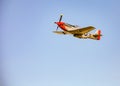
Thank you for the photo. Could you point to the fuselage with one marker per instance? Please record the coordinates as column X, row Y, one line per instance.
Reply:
column 66, row 26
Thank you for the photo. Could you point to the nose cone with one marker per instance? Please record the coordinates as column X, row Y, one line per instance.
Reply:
column 59, row 23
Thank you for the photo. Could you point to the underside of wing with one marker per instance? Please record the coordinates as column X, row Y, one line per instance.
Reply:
column 82, row 30
column 61, row 32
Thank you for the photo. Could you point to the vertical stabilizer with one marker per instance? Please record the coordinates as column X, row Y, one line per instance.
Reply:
column 98, row 32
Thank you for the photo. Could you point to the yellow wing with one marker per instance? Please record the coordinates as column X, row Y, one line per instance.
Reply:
column 82, row 30
column 61, row 32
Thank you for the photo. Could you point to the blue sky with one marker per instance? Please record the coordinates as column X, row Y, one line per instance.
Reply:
column 32, row 55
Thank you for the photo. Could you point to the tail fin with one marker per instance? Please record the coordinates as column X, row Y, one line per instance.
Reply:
column 98, row 32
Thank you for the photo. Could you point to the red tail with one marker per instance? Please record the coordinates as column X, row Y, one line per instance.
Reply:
column 99, row 34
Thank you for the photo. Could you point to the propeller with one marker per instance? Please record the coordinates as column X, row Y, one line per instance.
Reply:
column 57, row 28
column 59, row 20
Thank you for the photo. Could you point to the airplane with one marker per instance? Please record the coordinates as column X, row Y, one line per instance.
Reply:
column 76, row 31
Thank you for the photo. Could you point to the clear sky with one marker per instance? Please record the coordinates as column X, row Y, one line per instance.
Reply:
column 32, row 55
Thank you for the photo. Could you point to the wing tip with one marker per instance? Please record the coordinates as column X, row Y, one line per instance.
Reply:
column 92, row 27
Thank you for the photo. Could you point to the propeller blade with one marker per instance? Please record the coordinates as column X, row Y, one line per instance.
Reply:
column 60, row 18
column 59, row 21
column 57, row 28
